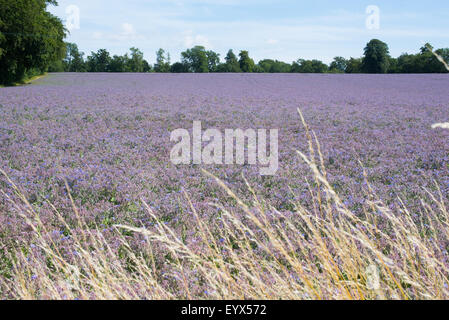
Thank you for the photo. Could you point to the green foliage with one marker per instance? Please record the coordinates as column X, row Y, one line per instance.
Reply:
column 376, row 58
column 99, row 61
column 274, row 66
column 423, row 62
column 119, row 64
column 162, row 61
column 213, row 60
column 354, row 65
column 196, row 59
column 31, row 39
column 74, row 61
column 179, row 67
column 309, row 66
column 231, row 63
column 246, row 63
column 338, row 65
column 199, row 60
column 136, row 62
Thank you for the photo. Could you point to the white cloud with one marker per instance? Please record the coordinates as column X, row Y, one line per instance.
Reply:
column 128, row 30
column 191, row 40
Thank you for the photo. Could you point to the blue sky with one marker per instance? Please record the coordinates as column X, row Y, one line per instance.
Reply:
column 285, row 29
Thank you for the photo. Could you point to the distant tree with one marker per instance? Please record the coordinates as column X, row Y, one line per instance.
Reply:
column 119, row 64
column 162, row 61
column 274, row 66
column 99, row 61
column 338, row 65
column 426, row 48
column 146, row 66
column 266, row 65
column 376, row 58
column 354, row 65
column 443, row 53
column 74, row 61
column 31, row 39
column 135, row 63
column 258, row 69
column 196, row 59
column 393, row 66
column 179, row 67
column 246, row 63
column 213, row 60
column 231, row 63
column 309, row 66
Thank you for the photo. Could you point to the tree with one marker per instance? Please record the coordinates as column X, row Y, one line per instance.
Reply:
column 213, row 60
column 246, row 63
column 231, row 63
column 426, row 48
column 354, row 65
column 393, row 66
column 31, row 39
column 376, row 58
column 136, row 62
column 338, row 65
column 196, row 59
column 162, row 61
column 422, row 62
column 146, row 66
column 119, row 64
column 274, row 66
column 99, row 61
column 2, row 37
column 179, row 67
column 309, row 66
column 74, row 61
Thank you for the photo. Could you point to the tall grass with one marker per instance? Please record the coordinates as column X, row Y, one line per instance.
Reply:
column 323, row 251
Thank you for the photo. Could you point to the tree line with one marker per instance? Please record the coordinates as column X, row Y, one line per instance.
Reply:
column 32, row 42
column 31, row 39
column 376, row 59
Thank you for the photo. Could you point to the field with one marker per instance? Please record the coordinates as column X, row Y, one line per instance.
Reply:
column 92, row 206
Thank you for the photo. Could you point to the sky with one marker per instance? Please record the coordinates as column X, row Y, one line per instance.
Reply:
column 285, row 30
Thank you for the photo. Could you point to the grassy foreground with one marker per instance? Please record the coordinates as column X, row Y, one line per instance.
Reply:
column 323, row 251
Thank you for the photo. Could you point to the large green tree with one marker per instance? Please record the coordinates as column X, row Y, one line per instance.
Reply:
column 119, row 64
column 213, row 60
column 136, row 62
column 196, row 59
column 99, row 61
column 246, row 63
column 74, row 59
column 30, row 38
column 231, row 63
column 162, row 61
column 338, row 65
column 376, row 58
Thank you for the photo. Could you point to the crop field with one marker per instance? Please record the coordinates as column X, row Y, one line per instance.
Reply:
column 92, row 207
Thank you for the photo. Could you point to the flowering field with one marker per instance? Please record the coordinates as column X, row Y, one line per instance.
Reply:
column 105, row 138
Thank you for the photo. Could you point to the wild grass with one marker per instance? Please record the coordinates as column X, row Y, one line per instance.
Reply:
column 254, row 251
